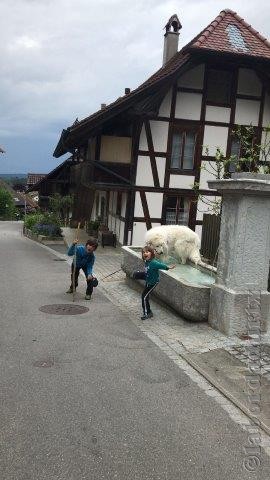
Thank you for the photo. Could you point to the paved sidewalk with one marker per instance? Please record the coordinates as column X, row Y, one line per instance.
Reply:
column 226, row 362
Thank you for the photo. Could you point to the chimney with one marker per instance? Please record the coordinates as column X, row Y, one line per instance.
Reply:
column 102, row 106
column 171, row 38
column 127, row 91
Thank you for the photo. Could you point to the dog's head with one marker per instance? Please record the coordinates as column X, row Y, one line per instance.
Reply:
column 159, row 244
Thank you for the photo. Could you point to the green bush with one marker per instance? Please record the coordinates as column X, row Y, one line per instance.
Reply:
column 43, row 224
column 7, row 206
column 92, row 225
column 32, row 219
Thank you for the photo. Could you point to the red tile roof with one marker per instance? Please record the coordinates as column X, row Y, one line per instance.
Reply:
column 33, row 178
column 229, row 33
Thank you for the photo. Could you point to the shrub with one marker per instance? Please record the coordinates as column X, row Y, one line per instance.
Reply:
column 32, row 219
column 43, row 224
column 47, row 229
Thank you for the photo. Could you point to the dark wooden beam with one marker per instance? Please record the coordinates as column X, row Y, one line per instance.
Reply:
column 145, row 210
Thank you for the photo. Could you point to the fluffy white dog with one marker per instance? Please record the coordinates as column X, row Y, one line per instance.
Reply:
column 176, row 240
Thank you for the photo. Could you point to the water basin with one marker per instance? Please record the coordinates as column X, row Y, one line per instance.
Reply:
column 186, row 288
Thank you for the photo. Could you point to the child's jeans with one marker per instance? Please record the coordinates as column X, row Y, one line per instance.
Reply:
column 145, row 298
column 89, row 289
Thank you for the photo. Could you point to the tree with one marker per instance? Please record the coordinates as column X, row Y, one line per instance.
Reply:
column 61, row 206
column 7, row 205
column 250, row 156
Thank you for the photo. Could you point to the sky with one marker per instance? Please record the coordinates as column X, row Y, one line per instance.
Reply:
column 60, row 59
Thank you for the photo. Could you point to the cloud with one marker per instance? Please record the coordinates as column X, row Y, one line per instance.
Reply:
column 60, row 59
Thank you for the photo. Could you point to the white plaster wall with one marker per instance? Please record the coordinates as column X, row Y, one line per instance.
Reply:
column 161, row 165
column 193, row 78
column 110, row 222
column 138, row 210
column 121, row 233
column 159, row 132
column 215, row 137
column 124, row 204
column 203, row 208
column 265, row 142
column 116, row 226
column 139, row 231
column 93, row 213
column 188, row 106
column 144, row 175
column 266, row 111
column 181, row 181
column 248, row 82
column 217, row 114
column 205, row 175
column 119, row 230
column 143, row 145
column 247, row 112
column 154, row 202
column 198, row 230
column 165, row 107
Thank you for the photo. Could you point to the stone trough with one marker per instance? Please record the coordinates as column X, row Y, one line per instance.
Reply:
column 186, row 288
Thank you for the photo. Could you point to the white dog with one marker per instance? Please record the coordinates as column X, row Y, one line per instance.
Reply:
column 174, row 239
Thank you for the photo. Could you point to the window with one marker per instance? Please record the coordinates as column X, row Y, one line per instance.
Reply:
column 177, row 210
column 243, row 146
column 183, row 150
column 219, row 87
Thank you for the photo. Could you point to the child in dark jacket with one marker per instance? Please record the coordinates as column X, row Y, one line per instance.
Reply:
column 85, row 260
column 151, row 267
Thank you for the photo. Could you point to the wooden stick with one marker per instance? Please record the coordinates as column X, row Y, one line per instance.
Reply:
column 74, row 262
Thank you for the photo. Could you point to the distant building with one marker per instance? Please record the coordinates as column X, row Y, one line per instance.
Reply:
column 33, row 178
column 57, row 181
column 22, row 201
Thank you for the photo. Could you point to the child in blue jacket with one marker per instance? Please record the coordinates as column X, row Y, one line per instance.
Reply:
column 151, row 268
column 85, row 260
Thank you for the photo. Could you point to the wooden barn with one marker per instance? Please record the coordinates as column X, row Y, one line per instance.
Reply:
column 137, row 159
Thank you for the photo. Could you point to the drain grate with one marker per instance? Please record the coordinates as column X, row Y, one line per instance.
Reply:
column 63, row 309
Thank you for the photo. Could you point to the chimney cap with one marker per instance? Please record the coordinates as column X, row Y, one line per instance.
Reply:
column 173, row 23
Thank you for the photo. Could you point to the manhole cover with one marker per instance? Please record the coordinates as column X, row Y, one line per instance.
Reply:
column 64, row 309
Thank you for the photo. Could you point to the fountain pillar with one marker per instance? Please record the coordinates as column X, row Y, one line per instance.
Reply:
column 241, row 289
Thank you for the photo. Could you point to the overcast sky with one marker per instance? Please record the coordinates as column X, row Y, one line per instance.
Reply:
column 60, row 59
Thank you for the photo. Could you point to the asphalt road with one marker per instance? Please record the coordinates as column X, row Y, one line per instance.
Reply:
column 89, row 396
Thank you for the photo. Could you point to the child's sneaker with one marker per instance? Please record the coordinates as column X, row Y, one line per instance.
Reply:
column 147, row 315
column 87, row 297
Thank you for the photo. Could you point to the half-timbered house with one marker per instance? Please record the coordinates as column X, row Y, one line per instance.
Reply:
column 137, row 159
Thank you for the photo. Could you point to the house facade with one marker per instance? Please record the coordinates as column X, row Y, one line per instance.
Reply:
column 59, row 180
column 136, row 161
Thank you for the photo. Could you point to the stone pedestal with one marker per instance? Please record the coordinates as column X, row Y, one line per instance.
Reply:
column 240, row 299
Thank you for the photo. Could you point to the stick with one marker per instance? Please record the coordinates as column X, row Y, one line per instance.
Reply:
column 112, row 273
column 74, row 263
